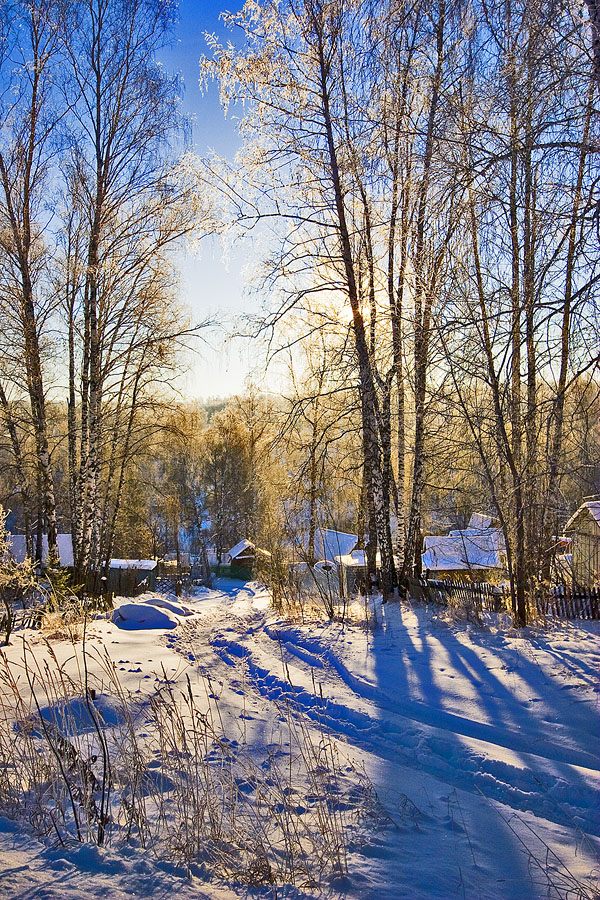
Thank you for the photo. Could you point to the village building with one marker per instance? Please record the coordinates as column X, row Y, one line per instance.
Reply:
column 584, row 530
column 125, row 576
column 330, row 544
column 243, row 558
column 18, row 548
column 128, row 576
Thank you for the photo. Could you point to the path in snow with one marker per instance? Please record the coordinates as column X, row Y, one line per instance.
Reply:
column 483, row 745
column 490, row 741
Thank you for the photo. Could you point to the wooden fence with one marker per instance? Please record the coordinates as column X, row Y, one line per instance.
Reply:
column 570, row 603
column 561, row 602
column 481, row 596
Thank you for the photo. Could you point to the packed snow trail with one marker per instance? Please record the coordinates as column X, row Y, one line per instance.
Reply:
column 527, row 786
column 514, row 763
column 472, row 738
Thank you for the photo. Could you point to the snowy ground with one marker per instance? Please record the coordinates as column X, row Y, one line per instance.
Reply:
column 481, row 743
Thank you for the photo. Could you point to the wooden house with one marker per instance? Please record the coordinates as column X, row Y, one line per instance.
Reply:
column 128, row 577
column 476, row 553
column 584, row 529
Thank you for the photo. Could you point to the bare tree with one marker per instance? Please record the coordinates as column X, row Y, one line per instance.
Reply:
column 124, row 209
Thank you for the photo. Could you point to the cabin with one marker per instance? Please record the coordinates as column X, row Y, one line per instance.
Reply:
column 243, row 554
column 243, row 558
column 125, row 576
column 584, row 530
column 131, row 576
column 353, row 572
column 18, row 548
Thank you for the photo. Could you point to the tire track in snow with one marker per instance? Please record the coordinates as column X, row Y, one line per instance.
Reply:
column 430, row 749
column 307, row 649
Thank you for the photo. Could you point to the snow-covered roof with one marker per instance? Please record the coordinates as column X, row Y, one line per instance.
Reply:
column 329, row 543
column 479, row 520
column 18, row 548
column 591, row 506
column 133, row 564
column 240, row 548
column 356, row 558
column 467, row 549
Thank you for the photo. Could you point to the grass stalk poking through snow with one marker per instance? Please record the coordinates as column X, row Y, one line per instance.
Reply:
column 83, row 760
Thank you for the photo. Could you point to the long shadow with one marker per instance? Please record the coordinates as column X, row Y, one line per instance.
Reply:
column 579, row 730
column 494, row 698
column 426, row 659
column 437, row 786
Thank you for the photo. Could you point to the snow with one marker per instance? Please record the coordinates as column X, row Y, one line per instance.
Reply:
column 240, row 547
column 479, row 521
column 148, row 612
column 145, row 564
column 481, row 743
column 330, row 543
column 30, row 869
column 356, row 558
column 593, row 506
column 466, row 549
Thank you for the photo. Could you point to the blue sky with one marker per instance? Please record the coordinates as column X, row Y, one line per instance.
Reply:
column 208, row 285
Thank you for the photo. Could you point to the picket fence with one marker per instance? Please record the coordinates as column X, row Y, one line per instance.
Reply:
column 570, row 603
column 561, row 601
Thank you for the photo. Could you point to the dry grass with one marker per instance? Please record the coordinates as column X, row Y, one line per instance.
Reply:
column 83, row 760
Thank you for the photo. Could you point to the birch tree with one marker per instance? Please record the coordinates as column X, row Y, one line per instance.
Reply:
column 529, row 201
column 300, row 72
column 29, row 49
column 124, row 211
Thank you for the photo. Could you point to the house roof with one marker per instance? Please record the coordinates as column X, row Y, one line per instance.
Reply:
column 240, row 548
column 330, row 543
column 356, row 558
column 467, row 549
column 590, row 506
column 479, row 520
column 18, row 548
column 148, row 564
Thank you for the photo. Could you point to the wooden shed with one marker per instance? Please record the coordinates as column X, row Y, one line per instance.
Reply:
column 243, row 559
column 128, row 577
column 584, row 529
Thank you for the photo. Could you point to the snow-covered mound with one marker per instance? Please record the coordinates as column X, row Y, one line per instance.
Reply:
column 31, row 869
column 149, row 611
column 141, row 616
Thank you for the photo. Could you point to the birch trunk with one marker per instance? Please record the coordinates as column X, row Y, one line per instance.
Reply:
column 422, row 315
column 366, row 379
column 19, row 469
